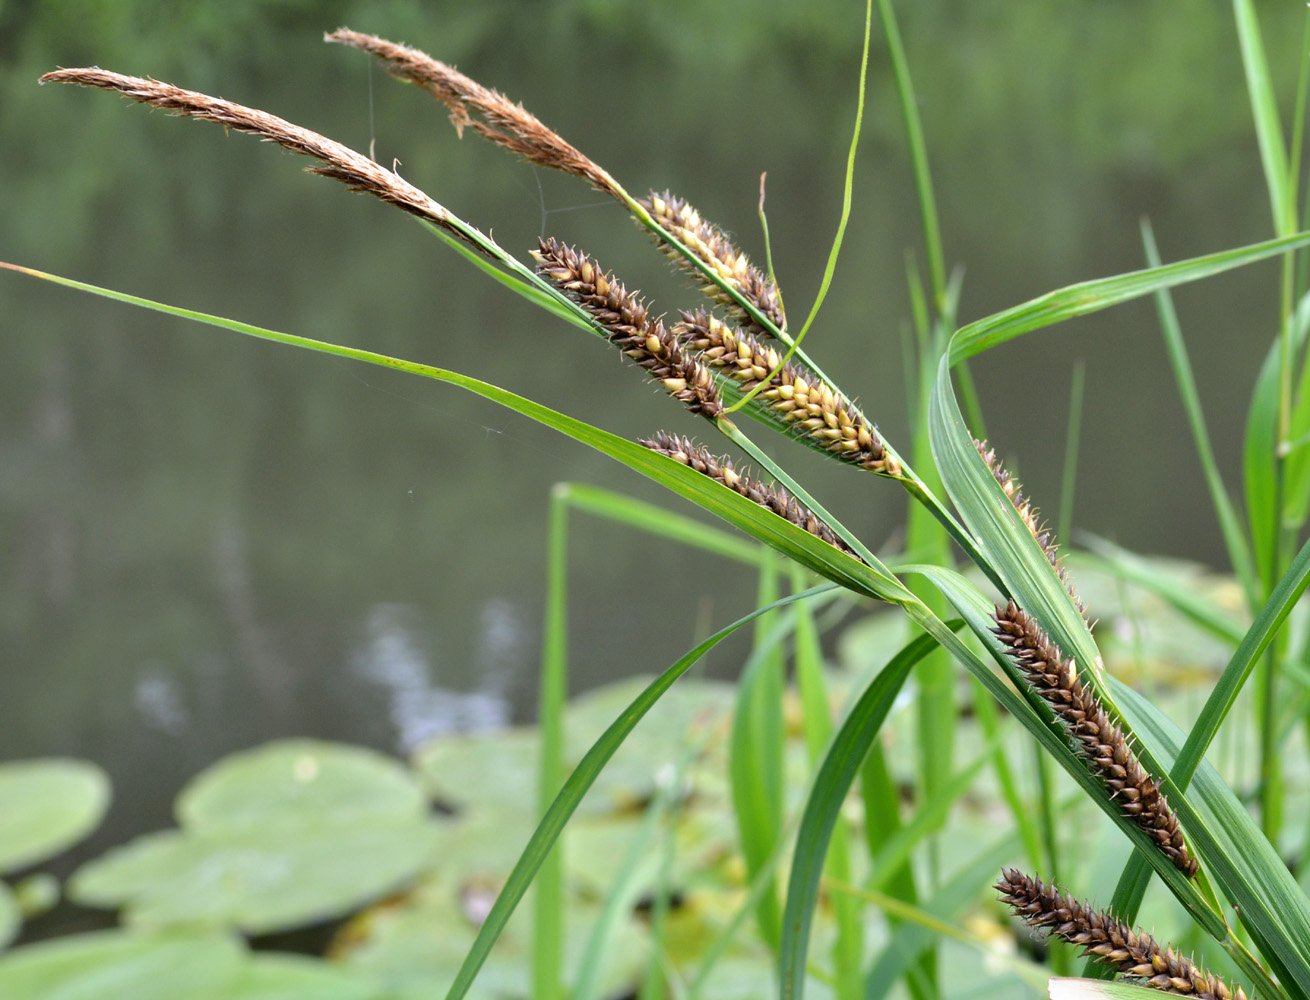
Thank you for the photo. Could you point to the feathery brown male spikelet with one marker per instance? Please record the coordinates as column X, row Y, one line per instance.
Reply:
column 501, row 120
column 1130, row 952
column 808, row 405
column 1098, row 738
column 713, row 249
column 623, row 317
column 1028, row 514
column 720, row 469
column 356, row 171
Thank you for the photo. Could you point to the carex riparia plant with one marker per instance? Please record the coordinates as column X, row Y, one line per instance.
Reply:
column 730, row 350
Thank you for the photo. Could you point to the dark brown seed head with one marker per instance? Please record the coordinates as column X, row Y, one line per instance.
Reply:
column 713, row 249
column 1097, row 737
column 809, row 406
column 720, row 469
column 623, row 317
column 1110, row 941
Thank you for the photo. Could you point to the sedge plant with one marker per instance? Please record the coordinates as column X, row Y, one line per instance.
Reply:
column 1015, row 623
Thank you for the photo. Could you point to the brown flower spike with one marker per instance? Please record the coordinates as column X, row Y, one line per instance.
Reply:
column 355, row 170
column 713, row 249
column 809, row 406
column 499, row 119
column 1098, row 739
column 720, row 469
column 1130, row 952
column 623, row 317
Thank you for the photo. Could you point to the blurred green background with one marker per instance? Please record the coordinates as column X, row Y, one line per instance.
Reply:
column 208, row 542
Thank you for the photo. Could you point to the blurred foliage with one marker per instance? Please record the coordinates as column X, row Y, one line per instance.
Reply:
column 173, row 505
column 298, row 832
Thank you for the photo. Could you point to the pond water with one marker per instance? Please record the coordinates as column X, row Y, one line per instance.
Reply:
column 210, row 541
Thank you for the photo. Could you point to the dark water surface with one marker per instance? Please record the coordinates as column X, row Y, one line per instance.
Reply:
column 208, row 541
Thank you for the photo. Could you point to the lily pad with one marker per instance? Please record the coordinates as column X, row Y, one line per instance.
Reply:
column 298, row 977
column 257, row 880
column 47, row 806
column 297, row 782
column 121, row 964
column 11, row 919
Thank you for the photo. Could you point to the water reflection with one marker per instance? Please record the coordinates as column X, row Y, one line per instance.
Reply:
column 393, row 658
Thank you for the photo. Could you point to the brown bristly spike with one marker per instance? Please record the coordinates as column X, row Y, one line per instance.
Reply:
column 488, row 112
column 713, row 249
column 1097, row 737
column 1110, row 941
column 720, row 469
column 353, row 169
column 623, row 316
column 1028, row 514
column 810, row 407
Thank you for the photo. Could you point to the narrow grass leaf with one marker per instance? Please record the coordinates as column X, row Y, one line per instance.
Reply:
column 1005, row 540
column 1237, row 856
column 832, row 782
column 763, row 525
column 909, row 104
column 1101, row 293
column 1239, row 552
column 548, row 905
column 541, row 295
column 656, row 520
column 1264, row 109
column 756, row 747
column 1288, row 898
column 910, row 940
column 582, row 778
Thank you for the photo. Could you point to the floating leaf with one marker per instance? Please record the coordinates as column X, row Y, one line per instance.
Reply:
column 47, row 806
column 298, row 977
column 10, row 917
column 257, row 880
column 119, row 964
column 296, row 782
column 290, row 833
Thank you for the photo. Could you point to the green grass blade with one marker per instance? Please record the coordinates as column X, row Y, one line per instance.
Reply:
column 1101, row 293
column 641, row 865
column 817, row 725
column 1257, row 639
column 1007, row 544
column 1237, row 855
column 989, row 721
column 1064, row 523
column 756, row 746
column 761, row 524
column 835, row 251
column 1264, row 109
column 910, row 940
column 1260, row 468
column 932, row 236
column 540, row 295
column 548, row 904
column 1131, row 567
column 582, row 778
column 1239, row 552
column 835, row 776
column 655, row 520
